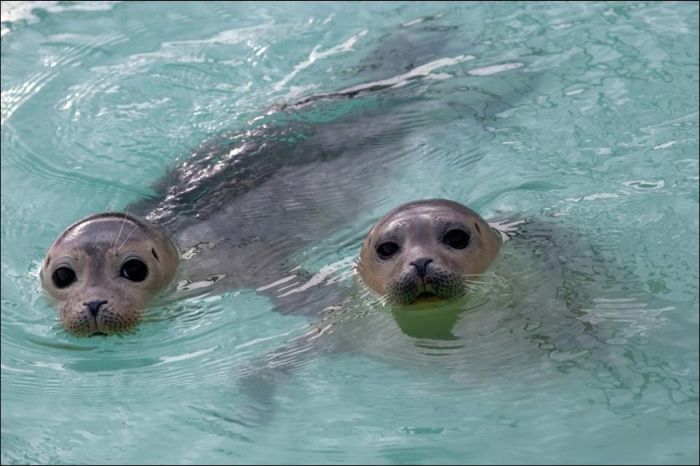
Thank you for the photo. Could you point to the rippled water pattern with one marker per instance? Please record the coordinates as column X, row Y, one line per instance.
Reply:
column 579, row 346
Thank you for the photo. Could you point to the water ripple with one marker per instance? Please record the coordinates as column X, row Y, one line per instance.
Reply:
column 579, row 118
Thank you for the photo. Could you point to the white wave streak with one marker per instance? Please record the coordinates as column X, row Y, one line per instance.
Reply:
column 493, row 69
column 315, row 55
column 636, row 317
column 13, row 98
column 506, row 227
column 23, row 11
column 325, row 274
column 423, row 71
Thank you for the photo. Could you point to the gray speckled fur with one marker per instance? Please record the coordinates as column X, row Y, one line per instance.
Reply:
column 287, row 176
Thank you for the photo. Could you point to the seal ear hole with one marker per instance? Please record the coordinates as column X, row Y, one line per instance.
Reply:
column 476, row 225
column 63, row 277
column 153, row 251
column 48, row 260
column 387, row 250
column 456, row 238
column 134, row 270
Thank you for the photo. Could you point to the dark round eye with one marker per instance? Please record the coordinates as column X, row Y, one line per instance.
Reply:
column 63, row 277
column 458, row 239
column 388, row 249
column 134, row 270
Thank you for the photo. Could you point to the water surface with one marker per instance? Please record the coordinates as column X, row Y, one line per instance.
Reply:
column 580, row 117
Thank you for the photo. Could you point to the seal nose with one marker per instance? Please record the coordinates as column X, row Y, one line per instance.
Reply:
column 94, row 307
column 421, row 265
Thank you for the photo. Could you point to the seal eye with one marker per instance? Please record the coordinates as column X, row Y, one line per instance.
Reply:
column 63, row 277
column 387, row 250
column 458, row 239
column 134, row 270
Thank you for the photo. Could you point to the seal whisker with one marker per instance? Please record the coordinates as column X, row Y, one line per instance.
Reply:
column 480, row 278
column 128, row 236
column 472, row 281
column 473, row 286
column 116, row 238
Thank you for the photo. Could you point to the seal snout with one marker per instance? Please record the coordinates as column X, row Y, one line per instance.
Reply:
column 424, row 280
column 94, row 306
column 421, row 266
column 424, row 277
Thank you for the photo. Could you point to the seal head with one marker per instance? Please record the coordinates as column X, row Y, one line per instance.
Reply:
column 103, row 270
column 426, row 250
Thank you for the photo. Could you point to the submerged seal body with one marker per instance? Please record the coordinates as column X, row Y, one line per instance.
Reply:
column 416, row 254
column 427, row 249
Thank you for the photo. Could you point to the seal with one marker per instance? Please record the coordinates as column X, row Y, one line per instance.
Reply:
column 426, row 250
column 419, row 258
column 238, row 210
column 103, row 270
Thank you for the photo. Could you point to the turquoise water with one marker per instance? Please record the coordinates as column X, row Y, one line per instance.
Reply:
column 582, row 118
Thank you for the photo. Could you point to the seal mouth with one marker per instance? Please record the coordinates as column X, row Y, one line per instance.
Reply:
column 98, row 334
column 427, row 296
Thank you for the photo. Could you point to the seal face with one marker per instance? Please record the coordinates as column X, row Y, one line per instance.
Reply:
column 104, row 270
column 426, row 250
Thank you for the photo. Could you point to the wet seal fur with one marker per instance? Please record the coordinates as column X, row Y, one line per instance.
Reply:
column 427, row 249
column 105, row 269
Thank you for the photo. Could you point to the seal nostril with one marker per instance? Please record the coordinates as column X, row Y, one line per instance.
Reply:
column 94, row 307
column 421, row 265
